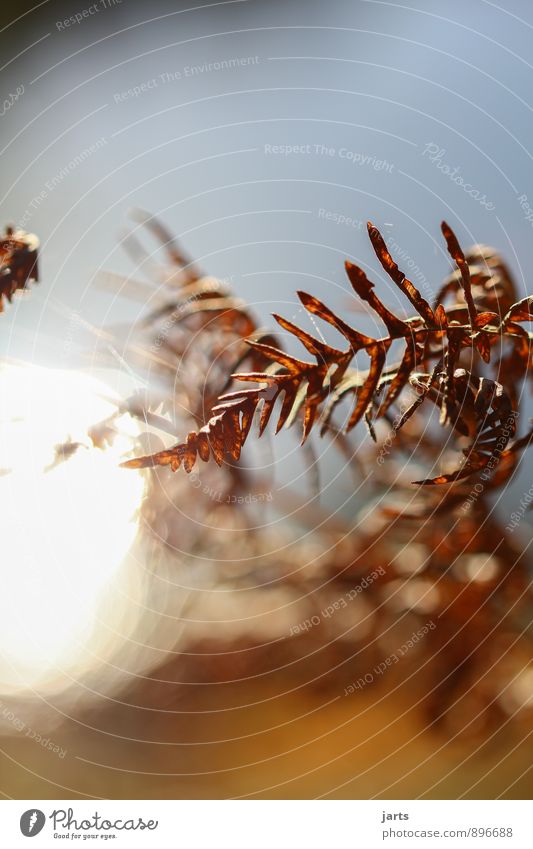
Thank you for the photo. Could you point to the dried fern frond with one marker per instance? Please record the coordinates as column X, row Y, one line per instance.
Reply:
column 435, row 343
column 195, row 336
column 481, row 411
column 465, row 356
column 18, row 262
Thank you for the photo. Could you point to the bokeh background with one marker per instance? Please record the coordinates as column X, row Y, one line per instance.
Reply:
column 264, row 134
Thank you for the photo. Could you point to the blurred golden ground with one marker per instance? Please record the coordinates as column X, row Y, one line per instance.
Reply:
column 299, row 745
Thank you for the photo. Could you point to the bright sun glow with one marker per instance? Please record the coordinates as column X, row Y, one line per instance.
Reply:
column 65, row 529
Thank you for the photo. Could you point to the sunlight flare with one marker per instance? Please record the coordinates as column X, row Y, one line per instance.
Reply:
column 67, row 522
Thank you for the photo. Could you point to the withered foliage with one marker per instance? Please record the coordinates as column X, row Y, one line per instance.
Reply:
column 197, row 334
column 186, row 346
column 468, row 358
column 467, row 354
column 18, row 263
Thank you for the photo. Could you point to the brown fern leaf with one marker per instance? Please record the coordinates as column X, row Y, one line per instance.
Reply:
column 197, row 335
column 224, row 433
column 188, row 272
column 419, row 303
column 18, row 262
column 493, row 287
column 435, row 342
column 483, row 412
